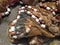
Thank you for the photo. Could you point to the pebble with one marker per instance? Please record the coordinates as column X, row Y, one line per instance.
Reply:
column 37, row 20
column 6, row 13
column 14, row 37
column 8, row 9
column 22, row 11
column 22, row 7
column 33, row 42
column 12, row 29
column 43, row 25
column 40, row 18
column 14, row 21
column 18, row 17
column 53, row 13
column 29, row 7
column 28, row 12
column 33, row 16
column 48, row 8
column 27, row 30
column 35, row 9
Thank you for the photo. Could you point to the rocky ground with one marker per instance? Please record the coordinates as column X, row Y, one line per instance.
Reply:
column 4, row 26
